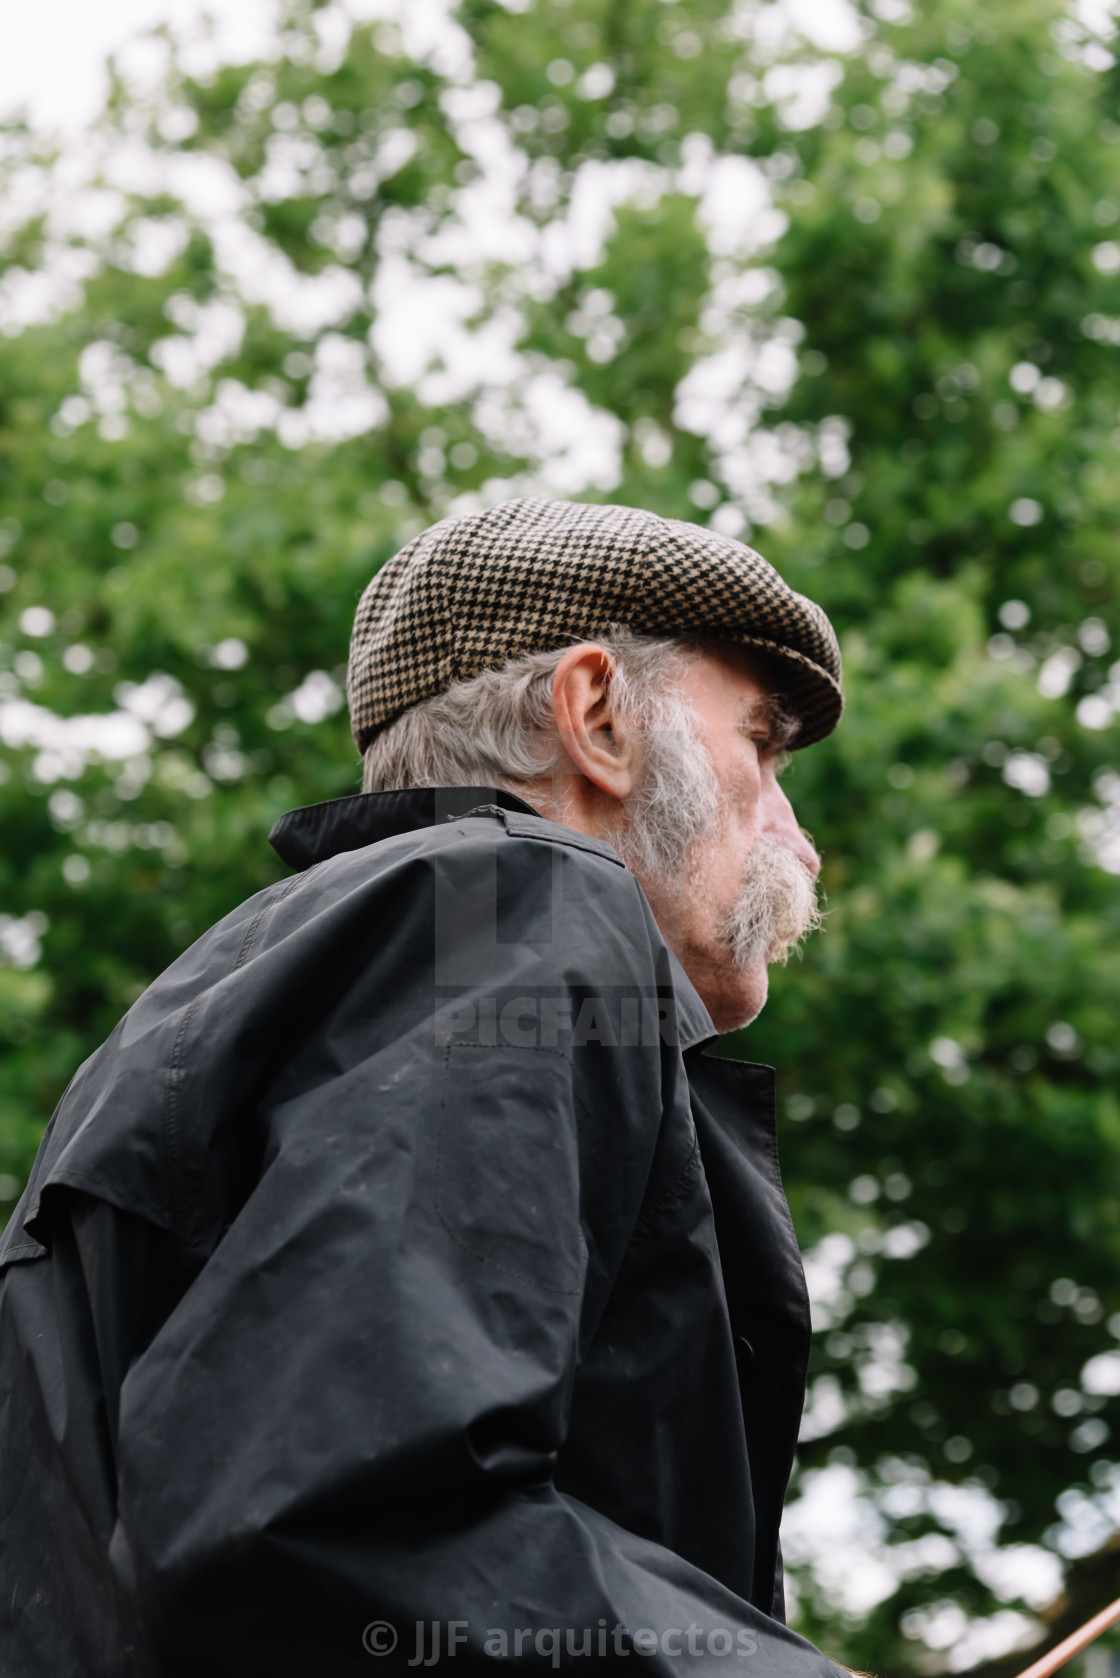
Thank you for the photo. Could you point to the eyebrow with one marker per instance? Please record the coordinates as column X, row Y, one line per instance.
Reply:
column 771, row 714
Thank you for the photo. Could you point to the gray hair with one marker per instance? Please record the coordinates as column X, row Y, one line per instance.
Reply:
column 497, row 728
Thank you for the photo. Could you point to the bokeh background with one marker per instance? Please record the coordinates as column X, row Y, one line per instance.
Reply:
column 839, row 277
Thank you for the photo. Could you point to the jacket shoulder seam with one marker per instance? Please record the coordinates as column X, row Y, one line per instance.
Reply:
column 265, row 909
column 517, row 827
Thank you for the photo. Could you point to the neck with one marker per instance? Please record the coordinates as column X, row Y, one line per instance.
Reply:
column 573, row 801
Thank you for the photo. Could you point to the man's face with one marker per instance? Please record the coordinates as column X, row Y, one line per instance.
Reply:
column 729, row 693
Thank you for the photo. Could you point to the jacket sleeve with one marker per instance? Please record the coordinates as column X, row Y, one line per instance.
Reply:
column 347, row 1428
column 73, row 1316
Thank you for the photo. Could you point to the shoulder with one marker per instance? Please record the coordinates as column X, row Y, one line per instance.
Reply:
column 556, row 905
column 518, row 866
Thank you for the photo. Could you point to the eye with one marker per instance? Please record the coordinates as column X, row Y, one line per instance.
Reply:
column 760, row 735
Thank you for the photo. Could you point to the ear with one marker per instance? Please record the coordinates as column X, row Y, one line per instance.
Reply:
column 600, row 750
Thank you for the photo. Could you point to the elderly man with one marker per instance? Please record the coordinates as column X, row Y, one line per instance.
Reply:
column 404, row 1279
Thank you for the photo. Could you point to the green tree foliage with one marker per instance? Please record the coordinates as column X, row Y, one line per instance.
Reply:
column 858, row 303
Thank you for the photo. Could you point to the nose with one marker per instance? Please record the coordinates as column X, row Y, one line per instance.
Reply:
column 780, row 824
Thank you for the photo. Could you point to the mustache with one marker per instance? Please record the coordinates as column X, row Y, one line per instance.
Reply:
column 776, row 908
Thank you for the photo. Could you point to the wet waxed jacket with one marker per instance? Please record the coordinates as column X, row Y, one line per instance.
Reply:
column 403, row 1259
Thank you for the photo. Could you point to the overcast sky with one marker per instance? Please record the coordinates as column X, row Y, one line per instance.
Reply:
column 55, row 50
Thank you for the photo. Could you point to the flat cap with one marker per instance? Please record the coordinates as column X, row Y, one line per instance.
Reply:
column 531, row 575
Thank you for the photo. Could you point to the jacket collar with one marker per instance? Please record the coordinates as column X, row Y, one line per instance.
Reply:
column 305, row 837
column 319, row 831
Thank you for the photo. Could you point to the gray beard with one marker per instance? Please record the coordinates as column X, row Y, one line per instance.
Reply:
column 775, row 909
column 679, row 807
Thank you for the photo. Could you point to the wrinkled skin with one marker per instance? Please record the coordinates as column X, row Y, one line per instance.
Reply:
column 728, row 690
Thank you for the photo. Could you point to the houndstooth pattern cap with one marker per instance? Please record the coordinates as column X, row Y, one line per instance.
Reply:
column 530, row 575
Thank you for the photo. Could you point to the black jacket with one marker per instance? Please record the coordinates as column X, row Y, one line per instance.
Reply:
column 402, row 1257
